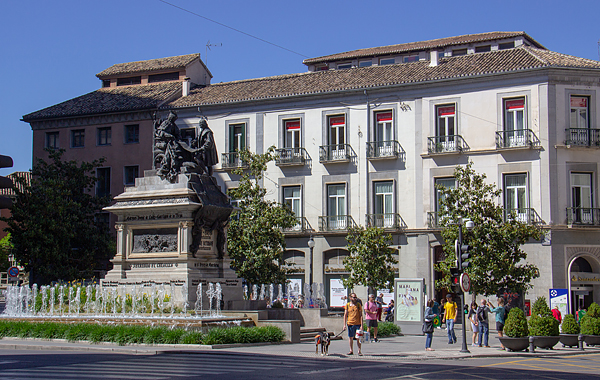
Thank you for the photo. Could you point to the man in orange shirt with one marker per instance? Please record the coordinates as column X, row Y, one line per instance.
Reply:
column 353, row 320
column 450, row 316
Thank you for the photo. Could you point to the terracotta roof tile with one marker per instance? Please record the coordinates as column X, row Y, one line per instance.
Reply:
column 177, row 62
column 111, row 99
column 471, row 65
column 11, row 192
column 421, row 45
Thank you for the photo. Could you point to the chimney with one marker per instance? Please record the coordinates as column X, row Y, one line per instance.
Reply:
column 433, row 61
column 185, row 88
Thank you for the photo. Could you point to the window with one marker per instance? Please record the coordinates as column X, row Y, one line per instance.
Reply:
column 446, row 127
column 515, row 195
column 106, row 83
column 514, row 122
column 411, row 58
column 384, row 133
column 448, row 183
column 292, row 133
column 345, row 65
column 130, row 173
column 103, row 184
column 51, row 140
column 291, row 198
column 365, row 63
column 163, row 77
column 458, row 52
column 129, row 81
column 387, row 61
column 322, row 68
column 506, row 45
column 104, row 136
column 384, row 203
column 337, row 136
column 237, row 137
column 581, row 198
column 483, row 49
column 77, row 138
column 579, row 112
column 132, row 134
column 336, row 206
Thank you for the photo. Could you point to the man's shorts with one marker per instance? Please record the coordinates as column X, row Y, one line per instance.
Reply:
column 352, row 330
column 499, row 326
column 371, row 322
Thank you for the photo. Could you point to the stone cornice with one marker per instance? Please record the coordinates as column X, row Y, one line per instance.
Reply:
column 99, row 119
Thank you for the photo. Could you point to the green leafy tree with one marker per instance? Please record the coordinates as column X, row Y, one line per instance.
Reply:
column 54, row 226
column 6, row 248
column 370, row 261
column 255, row 241
column 497, row 260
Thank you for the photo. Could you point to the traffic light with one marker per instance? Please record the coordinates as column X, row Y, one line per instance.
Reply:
column 5, row 182
column 454, row 278
column 465, row 255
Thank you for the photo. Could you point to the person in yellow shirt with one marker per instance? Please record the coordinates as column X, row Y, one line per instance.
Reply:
column 353, row 320
column 450, row 315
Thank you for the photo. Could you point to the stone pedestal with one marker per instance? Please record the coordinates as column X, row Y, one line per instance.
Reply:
column 154, row 234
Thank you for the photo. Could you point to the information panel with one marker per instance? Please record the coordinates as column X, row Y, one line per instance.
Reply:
column 409, row 300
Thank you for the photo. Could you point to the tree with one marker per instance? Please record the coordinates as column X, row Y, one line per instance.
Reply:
column 370, row 261
column 255, row 241
column 54, row 225
column 497, row 260
column 6, row 248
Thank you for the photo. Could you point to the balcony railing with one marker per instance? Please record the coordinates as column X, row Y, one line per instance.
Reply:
column 583, row 216
column 291, row 157
column 336, row 223
column 384, row 150
column 232, row 161
column 433, row 220
column 516, row 139
column 335, row 153
column 388, row 221
column 301, row 225
column 523, row 215
column 583, row 137
column 446, row 144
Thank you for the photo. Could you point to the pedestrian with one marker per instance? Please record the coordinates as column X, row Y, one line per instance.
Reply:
column 371, row 315
column 556, row 314
column 450, row 315
column 579, row 314
column 380, row 303
column 389, row 312
column 474, row 322
column 500, row 312
column 484, row 327
column 353, row 320
column 428, row 325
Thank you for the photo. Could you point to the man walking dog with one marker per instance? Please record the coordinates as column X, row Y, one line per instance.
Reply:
column 353, row 320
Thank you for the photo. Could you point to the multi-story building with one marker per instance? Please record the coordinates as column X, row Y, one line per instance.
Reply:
column 364, row 136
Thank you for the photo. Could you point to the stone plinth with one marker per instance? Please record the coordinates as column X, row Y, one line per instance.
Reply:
column 154, row 234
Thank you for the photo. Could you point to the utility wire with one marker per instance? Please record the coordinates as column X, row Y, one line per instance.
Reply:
column 229, row 27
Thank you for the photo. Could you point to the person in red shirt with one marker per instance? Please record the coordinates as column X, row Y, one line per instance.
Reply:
column 556, row 314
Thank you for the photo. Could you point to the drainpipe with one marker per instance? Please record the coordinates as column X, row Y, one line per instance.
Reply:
column 368, row 189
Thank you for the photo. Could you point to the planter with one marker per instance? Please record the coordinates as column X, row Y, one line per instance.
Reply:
column 545, row 341
column 571, row 340
column 515, row 344
column 592, row 340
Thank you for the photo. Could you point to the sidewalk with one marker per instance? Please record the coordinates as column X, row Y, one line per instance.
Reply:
column 393, row 348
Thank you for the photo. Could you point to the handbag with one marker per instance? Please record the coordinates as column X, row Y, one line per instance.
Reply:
column 427, row 326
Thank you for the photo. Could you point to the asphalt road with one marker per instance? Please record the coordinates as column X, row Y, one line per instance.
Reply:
column 41, row 365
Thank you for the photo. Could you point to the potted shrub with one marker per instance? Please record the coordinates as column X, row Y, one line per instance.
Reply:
column 590, row 325
column 516, row 332
column 543, row 327
column 570, row 331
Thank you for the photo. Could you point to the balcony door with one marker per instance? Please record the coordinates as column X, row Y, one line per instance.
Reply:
column 515, row 195
column 446, row 128
column 581, row 197
column 514, row 122
column 337, row 137
column 384, row 204
column 336, row 206
column 580, row 133
column 384, row 133
column 292, row 199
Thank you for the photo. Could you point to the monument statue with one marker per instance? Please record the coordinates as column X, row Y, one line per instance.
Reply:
column 173, row 155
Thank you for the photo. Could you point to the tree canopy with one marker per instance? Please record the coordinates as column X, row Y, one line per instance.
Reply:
column 497, row 260
column 370, row 261
column 54, row 227
column 255, row 240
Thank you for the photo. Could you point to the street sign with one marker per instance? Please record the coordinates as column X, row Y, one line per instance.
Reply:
column 465, row 282
column 13, row 272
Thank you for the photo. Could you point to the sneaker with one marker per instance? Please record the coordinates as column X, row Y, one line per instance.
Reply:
column 450, row 342
column 474, row 345
column 376, row 340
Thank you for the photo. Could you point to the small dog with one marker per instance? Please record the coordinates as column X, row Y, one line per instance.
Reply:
column 323, row 340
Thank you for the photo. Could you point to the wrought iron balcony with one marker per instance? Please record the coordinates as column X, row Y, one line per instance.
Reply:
column 291, row 157
column 516, row 139
column 387, row 221
column 335, row 153
column 583, row 216
column 434, row 219
column 336, row 223
column 232, row 161
column 446, row 144
column 385, row 150
column 523, row 215
column 302, row 225
column 583, row 137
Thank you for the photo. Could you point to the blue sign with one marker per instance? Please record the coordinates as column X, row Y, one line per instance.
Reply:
column 560, row 298
column 13, row 271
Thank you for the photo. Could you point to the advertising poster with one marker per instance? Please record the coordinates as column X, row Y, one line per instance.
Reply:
column 409, row 298
column 387, row 295
column 559, row 297
column 337, row 292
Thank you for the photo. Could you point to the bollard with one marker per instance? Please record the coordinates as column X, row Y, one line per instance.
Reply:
column 580, row 341
column 531, row 345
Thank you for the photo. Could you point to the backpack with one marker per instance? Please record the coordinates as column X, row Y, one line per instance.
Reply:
column 480, row 315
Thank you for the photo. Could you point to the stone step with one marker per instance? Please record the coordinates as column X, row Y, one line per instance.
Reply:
column 307, row 334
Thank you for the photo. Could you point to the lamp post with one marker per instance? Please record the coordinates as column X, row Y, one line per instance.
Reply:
column 469, row 224
column 311, row 245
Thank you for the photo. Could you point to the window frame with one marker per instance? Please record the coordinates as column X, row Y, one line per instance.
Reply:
column 125, row 174
column 437, row 193
column 285, row 198
column 107, row 136
column 230, row 129
column 506, row 189
column 578, row 109
column 126, row 134
column 387, row 61
column 336, row 197
column 445, row 118
column 51, row 140
column 105, row 179
column 296, row 136
column 77, row 138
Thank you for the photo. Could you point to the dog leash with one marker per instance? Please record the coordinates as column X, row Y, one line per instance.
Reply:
column 340, row 333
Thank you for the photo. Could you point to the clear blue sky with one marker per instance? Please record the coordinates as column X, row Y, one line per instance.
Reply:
column 52, row 50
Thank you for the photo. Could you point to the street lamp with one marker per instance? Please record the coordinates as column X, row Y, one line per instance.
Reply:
column 470, row 225
column 311, row 245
